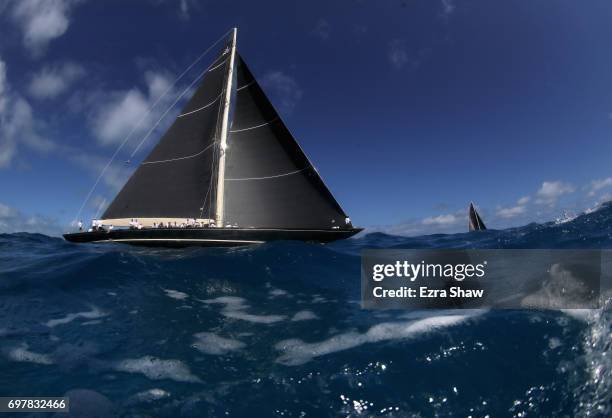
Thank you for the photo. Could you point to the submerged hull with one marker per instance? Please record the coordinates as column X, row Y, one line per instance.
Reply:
column 208, row 237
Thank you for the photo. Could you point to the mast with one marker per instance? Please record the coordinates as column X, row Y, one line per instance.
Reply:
column 224, row 133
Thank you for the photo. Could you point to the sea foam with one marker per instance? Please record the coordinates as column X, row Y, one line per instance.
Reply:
column 157, row 369
column 296, row 351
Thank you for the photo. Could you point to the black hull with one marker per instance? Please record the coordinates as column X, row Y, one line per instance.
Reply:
column 208, row 237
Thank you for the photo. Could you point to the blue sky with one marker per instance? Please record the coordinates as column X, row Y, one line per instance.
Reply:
column 409, row 109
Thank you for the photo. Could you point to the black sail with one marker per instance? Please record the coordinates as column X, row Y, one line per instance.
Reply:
column 269, row 181
column 475, row 221
column 177, row 179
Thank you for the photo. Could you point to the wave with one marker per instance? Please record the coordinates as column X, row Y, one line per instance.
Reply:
column 187, row 332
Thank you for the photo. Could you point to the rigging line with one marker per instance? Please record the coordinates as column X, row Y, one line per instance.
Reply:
column 142, row 119
column 201, row 108
column 212, row 167
column 179, row 158
column 180, row 96
column 212, row 170
column 204, row 202
column 100, row 208
column 254, row 127
column 270, row 177
column 217, row 66
column 245, row 86
column 221, row 57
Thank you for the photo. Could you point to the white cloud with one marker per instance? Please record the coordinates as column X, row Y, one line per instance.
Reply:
column 440, row 224
column 441, row 220
column 397, row 54
column 322, row 30
column 41, row 21
column 521, row 212
column 6, row 211
column 3, row 86
column 514, row 211
column 17, row 123
column 550, row 191
column 54, row 80
column 511, row 212
column 606, row 197
column 21, row 125
column 184, row 9
column 185, row 6
column 597, row 185
column 8, row 150
column 284, row 88
column 115, row 176
column 8, row 147
column 448, row 7
column 13, row 220
column 523, row 200
column 115, row 119
column 118, row 113
column 98, row 204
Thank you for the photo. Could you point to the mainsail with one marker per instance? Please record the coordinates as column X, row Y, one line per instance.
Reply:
column 269, row 181
column 176, row 180
column 475, row 222
column 252, row 174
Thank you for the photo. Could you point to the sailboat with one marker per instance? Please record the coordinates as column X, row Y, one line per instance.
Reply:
column 475, row 222
column 210, row 181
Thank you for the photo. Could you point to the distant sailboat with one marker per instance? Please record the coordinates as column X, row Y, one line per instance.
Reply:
column 475, row 222
column 213, row 182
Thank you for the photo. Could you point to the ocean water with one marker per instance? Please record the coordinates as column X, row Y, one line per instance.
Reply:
column 277, row 330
